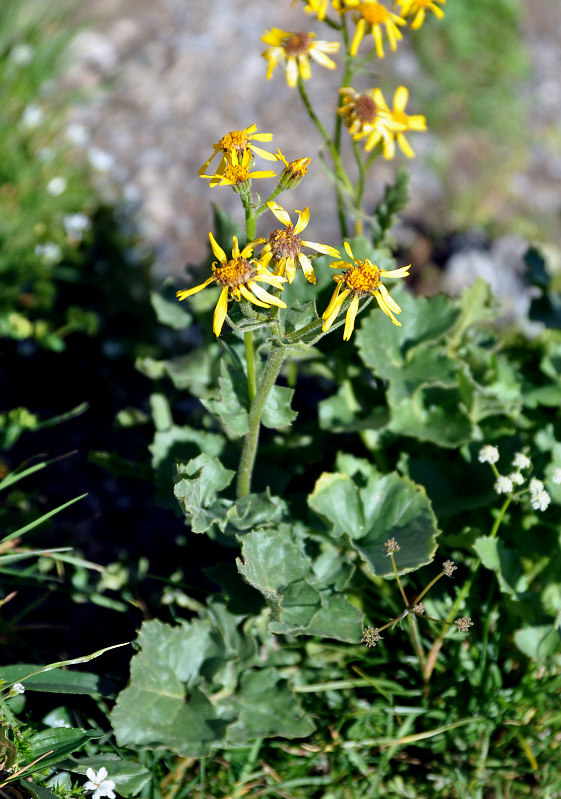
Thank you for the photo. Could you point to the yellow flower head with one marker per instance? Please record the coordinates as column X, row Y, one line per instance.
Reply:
column 284, row 246
column 233, row 146
column 398, row 115
column 239, row 278
column 369, row 14
column 360, row 279
column 320, row 7
column 293, row 171
column 237, row 172
column 295, row 50
column 417, row 10
column 365, row 118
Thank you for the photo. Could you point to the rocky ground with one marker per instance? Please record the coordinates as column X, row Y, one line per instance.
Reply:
column 167, row 78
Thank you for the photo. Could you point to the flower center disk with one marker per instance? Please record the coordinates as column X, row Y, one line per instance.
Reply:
column 363, row 277
column 234, row 272
column 366, row 109
column 284, row 243
column 297, row 44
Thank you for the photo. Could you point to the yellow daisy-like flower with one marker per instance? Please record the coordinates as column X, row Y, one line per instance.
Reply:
column 320, row 7
column 360, row 279
column 237, row 173
column 369, row 14
column 234, row 145
column 418, row 8
column 239, row 278
column 293, row 171
column 398, row 115
column 295, row 50
column 284, row 246
column 366, row 119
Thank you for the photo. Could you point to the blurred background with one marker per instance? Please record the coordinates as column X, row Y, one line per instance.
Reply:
column 165, row 79
column 107, row 110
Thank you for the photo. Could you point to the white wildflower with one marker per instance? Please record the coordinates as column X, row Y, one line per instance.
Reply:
column 77, row 134
column 521, row 461
column 60, row 723
column 516, row 478
column 488, row 454
column 101, row 159
column 556, row 476
column 22, row 54
column 32, row 116
column 50, row 252
column 19, row 688
column 503, row 485
column 76, row 225
column 56, row 186
column 99, row 784
column 540, row 501
column 535, row 486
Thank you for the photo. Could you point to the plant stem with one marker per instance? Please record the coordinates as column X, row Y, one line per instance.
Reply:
column 335, row 155
column 462, row 594
column 250, row 361
column 249, row 451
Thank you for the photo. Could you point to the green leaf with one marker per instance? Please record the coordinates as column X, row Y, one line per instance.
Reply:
column 62, row 682
column 277, row 412
column 179, row 445
column 274, row 563
column 232, row 401
column 430, row 413
column 197, row 492
column 266, row 707
column 504, row 562
column 387, row 507
column 540, row 642
column 256, row 510
column 169, row 311
column 163, row 707
column 62, row 742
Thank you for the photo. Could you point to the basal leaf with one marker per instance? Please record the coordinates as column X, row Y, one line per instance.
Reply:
column 266, row 706
column 197, row 492
column 389, row 506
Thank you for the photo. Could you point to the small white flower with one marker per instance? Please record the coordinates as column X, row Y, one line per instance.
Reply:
column 50, row 252
column 540, row 501
column 56, row 186
column 556, row 476
column 101, row 159
column 535, row 486
column 488, row 454
column 521, row 461
column 60, row 723
column 516, row 478
column 22, row 54
column 32, row 116
column 503, row 485
column 19, row 688
column 76, row 225
column 77, row 134
column 99, row 784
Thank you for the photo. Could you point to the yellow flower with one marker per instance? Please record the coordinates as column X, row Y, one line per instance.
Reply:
column 238, row 277
column 360, row 279
column 320, row 7
column 366, row 119
column 237, row 172
column 398, row 115
column 284, row 246
column 371, row 14
column 235, row 144
column 418, row 8
column 293, row 171
column 296, row 49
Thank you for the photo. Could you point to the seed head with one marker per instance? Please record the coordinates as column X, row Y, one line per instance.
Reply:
column 371, row 636
column 463, row 624
column 392, row 546
column 448, row 568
